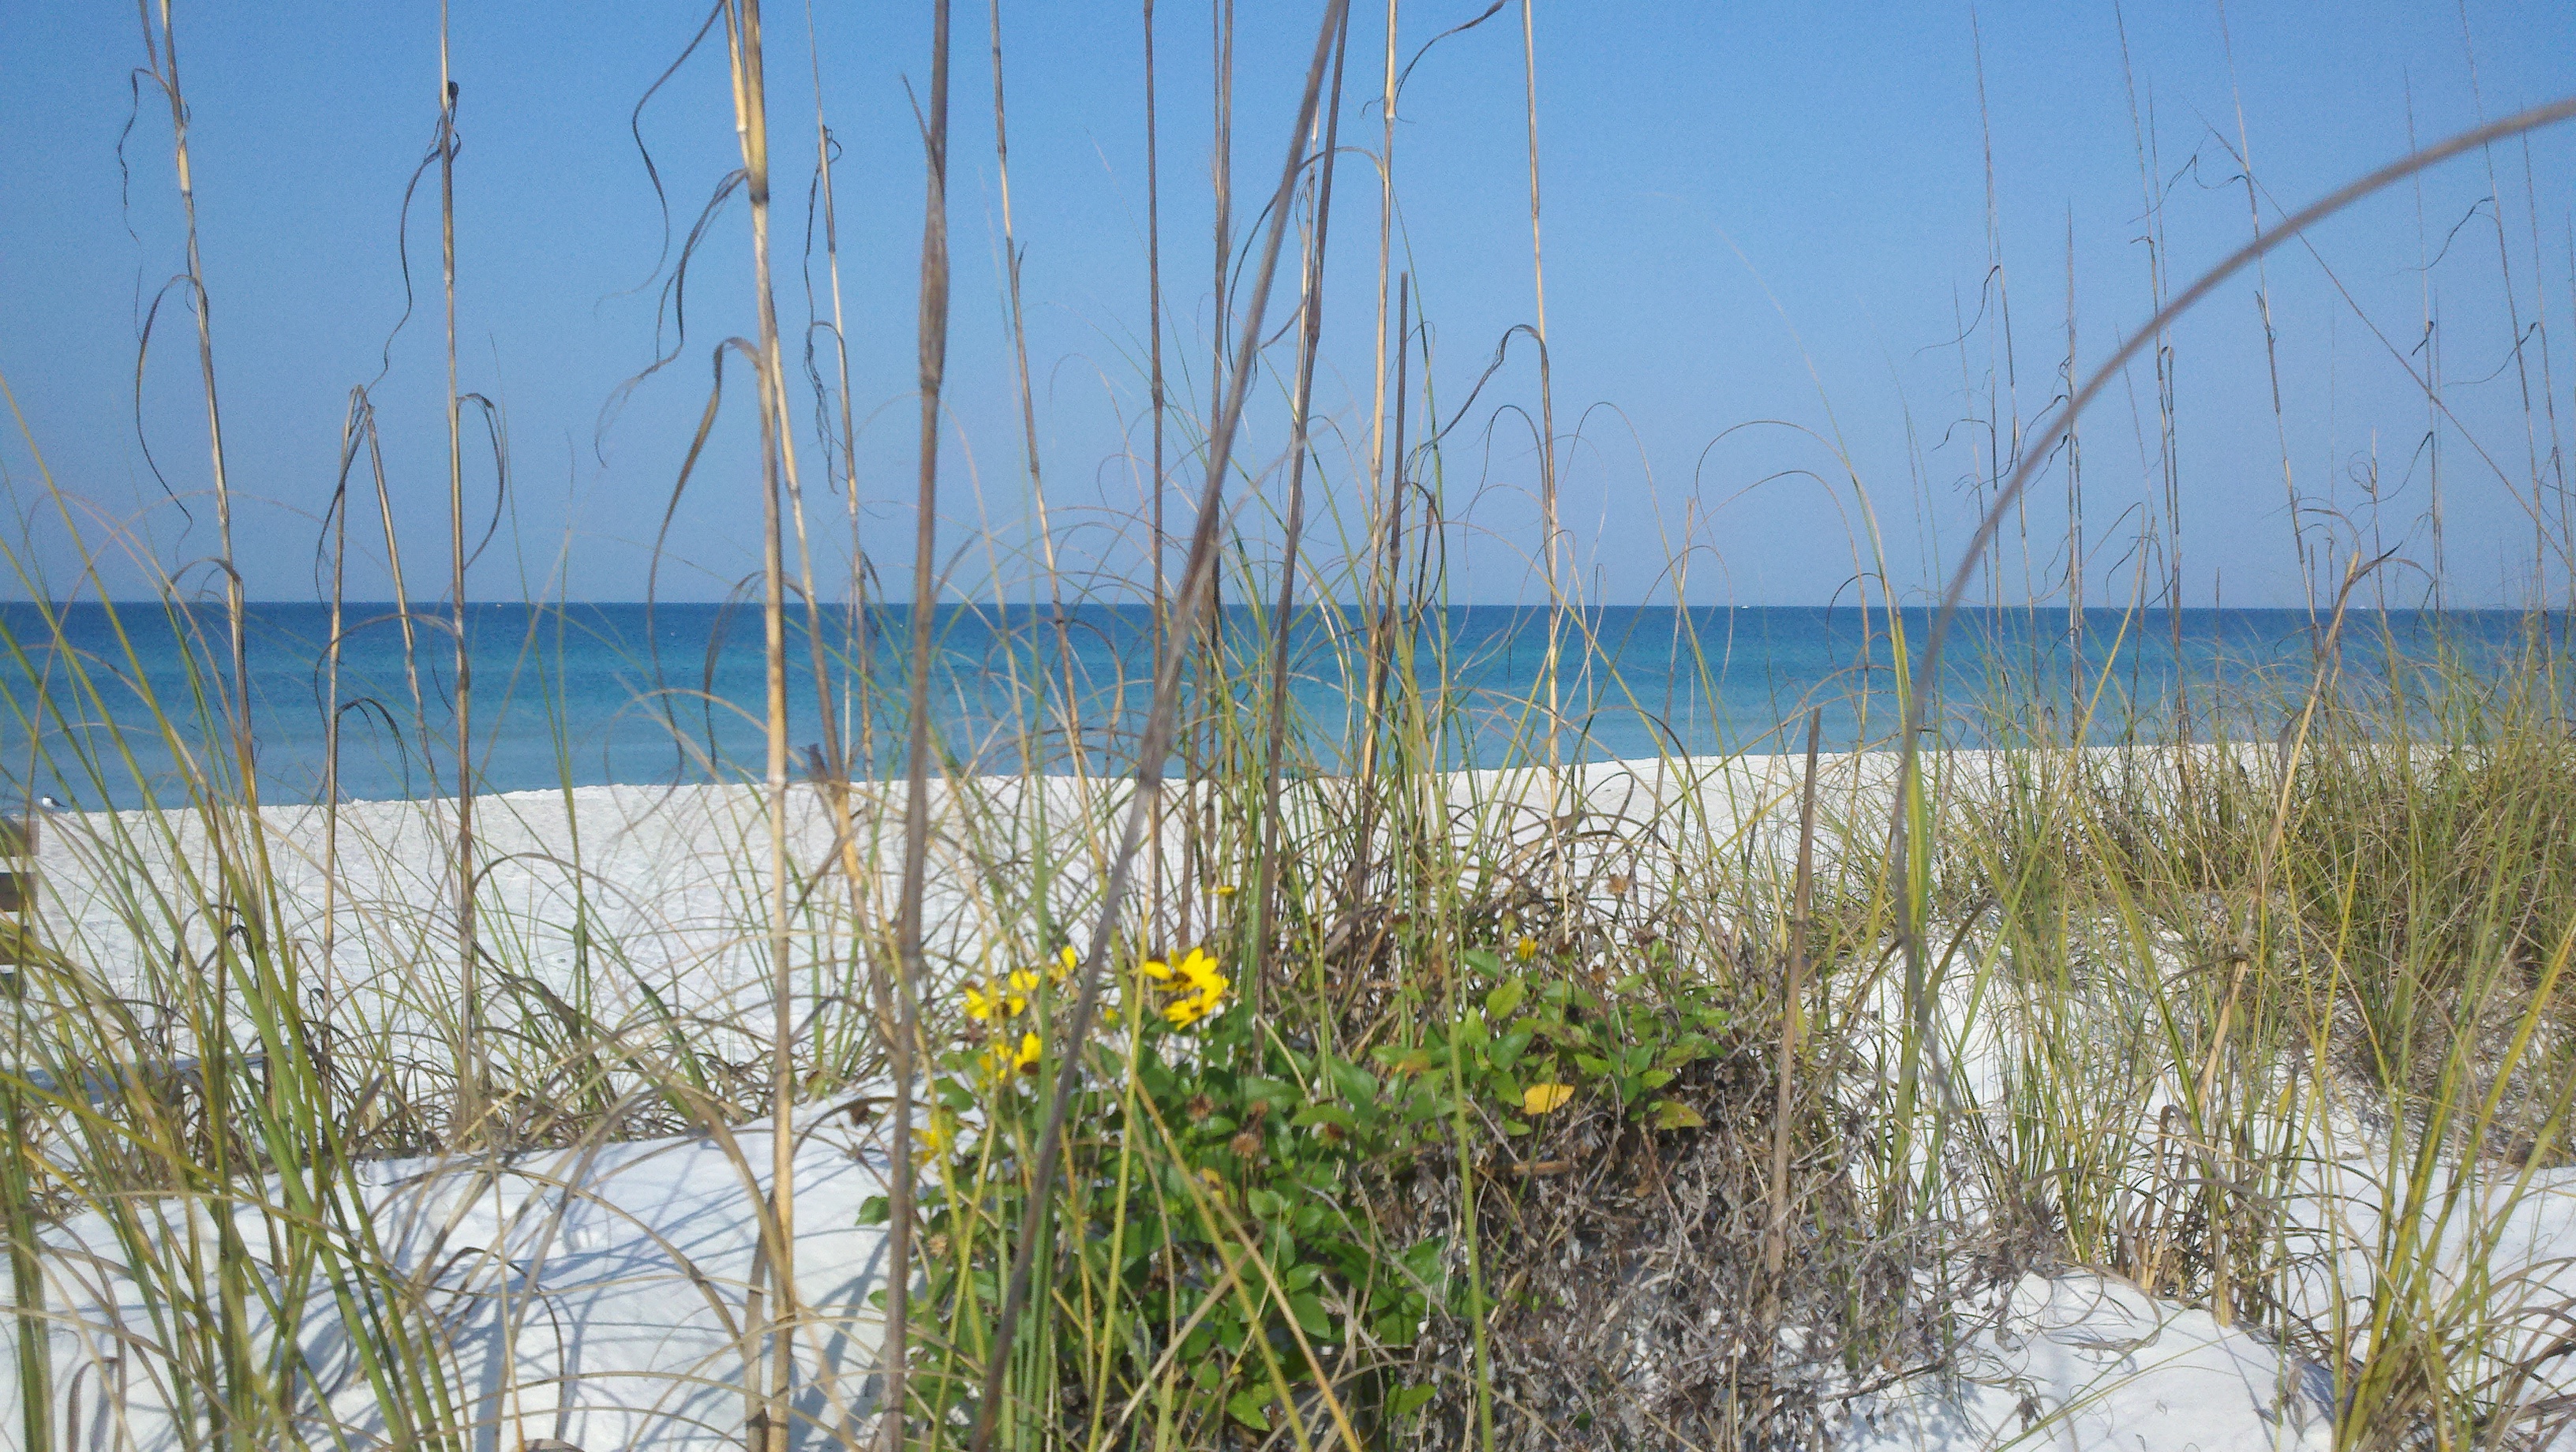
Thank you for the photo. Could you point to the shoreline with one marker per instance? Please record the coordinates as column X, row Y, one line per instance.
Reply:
column 636, row 900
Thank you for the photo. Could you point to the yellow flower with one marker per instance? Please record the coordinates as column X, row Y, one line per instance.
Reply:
column 1200, row 990
column 983, row 1007
column 1024, row 981
column 937, row 1138
column 1195, row 983
column 1200, row 969
column 1225, row 889
column 1067, row 963
column 1543, row 1098
column 1001, row 1061
column 1525, row 949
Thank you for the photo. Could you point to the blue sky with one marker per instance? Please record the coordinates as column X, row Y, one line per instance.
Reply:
column 1767, row 231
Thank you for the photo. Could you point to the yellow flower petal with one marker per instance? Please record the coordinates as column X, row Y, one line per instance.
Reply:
column 1067, row 963
column 1156, row 969
column 1544, row 1098
column 1525, row 949
column 937, row 1138
column 1029, row 1049
column 978, row 1006
column 1200, row 969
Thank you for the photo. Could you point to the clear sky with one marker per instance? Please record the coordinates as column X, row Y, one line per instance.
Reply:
column 1770, row 263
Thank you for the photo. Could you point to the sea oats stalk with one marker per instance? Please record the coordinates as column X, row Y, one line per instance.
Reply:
column 1156, row 402
column 863, row 748
column 856, row 757
column 1552, row 540
column 777, row 426
column 1309, row 337
column 241, row 895
column 473, row 1071
column 1071, row 706
column 933, row 346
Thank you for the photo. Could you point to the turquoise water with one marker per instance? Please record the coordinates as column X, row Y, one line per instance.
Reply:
column 593, row 693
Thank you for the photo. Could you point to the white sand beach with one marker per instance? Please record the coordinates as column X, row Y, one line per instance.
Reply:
column 594, row 1296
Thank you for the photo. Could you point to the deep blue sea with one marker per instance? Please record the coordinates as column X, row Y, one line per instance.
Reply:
column 589, row 693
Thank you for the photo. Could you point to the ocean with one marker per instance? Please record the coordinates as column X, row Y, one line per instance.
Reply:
column 106, row 705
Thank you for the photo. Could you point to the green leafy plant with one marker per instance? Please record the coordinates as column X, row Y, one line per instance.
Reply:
column 1224, row 1172
column 1214, row 1175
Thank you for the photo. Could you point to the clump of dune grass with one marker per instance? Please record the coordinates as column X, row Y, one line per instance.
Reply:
column 2331, row 964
